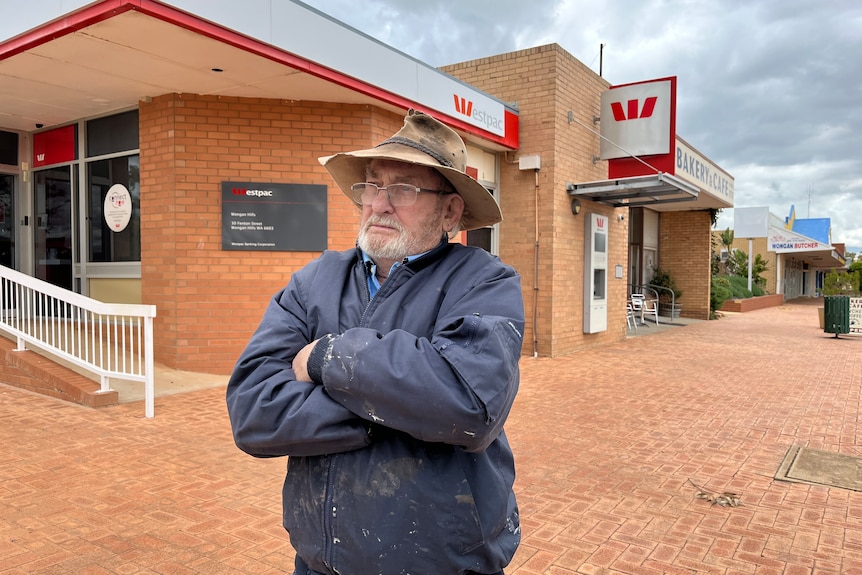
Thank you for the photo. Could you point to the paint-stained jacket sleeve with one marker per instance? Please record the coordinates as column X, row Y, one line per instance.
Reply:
column 271, row 413
column 453, row 386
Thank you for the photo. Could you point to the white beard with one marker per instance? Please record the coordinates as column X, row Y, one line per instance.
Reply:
column 396, row 249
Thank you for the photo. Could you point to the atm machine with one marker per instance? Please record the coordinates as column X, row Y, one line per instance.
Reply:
column 596, row 273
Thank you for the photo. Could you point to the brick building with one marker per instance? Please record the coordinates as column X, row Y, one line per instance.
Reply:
column 224, row 96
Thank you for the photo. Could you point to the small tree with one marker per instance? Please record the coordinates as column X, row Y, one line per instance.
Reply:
column 736, row 260
column 856, row 268
column 760, row 266
column 840, row 284
column 738, row 265
column 726, row 241
column 715, row 260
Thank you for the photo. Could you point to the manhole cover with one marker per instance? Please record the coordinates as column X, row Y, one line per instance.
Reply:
column 815, row 467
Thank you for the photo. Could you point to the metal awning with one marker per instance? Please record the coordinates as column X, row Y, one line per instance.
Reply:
column 636, row 191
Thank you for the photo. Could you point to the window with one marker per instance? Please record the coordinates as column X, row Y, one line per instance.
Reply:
column 112, row 143
column 480, row 238
column 107, row 245
column 8, row 148
column 7, row 220
column 112, row 134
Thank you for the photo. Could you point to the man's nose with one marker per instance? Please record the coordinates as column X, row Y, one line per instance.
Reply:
column 381, row 202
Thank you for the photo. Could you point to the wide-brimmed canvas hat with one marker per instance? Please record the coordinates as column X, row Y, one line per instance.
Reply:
column 423, row 141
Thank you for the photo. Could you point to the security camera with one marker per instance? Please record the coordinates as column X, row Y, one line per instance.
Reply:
column 39, row 125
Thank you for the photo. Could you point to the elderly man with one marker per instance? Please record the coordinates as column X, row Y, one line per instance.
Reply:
column 386, row 373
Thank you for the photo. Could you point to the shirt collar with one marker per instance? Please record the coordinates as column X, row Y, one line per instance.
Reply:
column 373, row 283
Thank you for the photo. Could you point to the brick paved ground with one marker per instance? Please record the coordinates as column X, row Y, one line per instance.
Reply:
column 606, row 442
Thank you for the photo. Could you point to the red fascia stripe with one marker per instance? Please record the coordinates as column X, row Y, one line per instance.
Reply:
column 194, row 24
column 109, row 8
column 66, row 25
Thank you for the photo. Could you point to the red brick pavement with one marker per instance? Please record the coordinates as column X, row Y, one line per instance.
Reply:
column 607, row 442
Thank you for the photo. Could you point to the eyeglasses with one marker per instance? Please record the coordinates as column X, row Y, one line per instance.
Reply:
column 399, row 195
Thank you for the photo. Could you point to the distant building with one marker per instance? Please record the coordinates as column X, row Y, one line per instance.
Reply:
column 799, row 252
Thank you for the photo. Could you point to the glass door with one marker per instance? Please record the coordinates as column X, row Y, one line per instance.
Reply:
column 53, row 230
column 7, row 220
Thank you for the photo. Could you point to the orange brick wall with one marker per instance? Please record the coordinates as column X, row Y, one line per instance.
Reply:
column 684, row 251
column 209, row 301
column 752, row 303
column 547, row 83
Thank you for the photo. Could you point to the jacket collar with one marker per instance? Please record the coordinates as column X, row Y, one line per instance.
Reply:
column 423, row 261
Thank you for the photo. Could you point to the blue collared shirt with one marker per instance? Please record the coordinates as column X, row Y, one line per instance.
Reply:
column 371, row 276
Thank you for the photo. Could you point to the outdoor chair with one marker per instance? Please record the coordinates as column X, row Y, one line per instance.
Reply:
column 638, row 307
column 648, row 307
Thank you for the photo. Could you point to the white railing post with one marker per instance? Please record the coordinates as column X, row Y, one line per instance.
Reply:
column 149, row 369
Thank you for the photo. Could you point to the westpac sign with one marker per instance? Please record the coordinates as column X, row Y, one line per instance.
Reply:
column 638, row 119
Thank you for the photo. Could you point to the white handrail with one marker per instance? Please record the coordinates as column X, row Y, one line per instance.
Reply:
column 107, row 339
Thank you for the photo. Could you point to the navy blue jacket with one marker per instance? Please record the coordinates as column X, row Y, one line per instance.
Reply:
column 398, row 460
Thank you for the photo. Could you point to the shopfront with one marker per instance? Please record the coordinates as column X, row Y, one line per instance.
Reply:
column 113, row 188
column 226, row 96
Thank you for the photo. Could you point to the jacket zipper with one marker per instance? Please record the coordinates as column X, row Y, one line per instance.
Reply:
column 380, row 292
column 329, row 516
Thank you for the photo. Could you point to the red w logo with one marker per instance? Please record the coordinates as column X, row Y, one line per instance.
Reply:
column 621, row 116
column 600, row 222
column 238, row 191
column 463, row 105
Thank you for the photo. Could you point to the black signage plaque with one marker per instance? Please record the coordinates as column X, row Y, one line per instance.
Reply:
column 273, row 217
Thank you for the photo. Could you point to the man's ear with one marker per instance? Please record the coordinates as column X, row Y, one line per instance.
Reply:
column 453, row 209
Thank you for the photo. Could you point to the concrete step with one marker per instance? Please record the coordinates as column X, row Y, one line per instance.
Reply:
column 33, row 372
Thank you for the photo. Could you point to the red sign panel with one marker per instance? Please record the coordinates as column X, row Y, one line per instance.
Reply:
column 54, row 146
column 639, row 127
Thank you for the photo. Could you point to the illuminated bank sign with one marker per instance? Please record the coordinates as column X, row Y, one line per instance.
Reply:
column 273, row 217
column 638, row 119
column 461, row 101
column 695, row 168
column 486, row 119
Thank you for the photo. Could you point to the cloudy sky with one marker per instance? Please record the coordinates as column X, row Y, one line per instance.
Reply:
column 770, row 90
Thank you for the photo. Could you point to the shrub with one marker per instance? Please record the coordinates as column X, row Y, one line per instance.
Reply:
column 737, row 264
column 739, row 287
column 662, row 278
column 719, row 293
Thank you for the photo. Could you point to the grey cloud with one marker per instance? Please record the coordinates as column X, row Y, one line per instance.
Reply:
column 769, row 90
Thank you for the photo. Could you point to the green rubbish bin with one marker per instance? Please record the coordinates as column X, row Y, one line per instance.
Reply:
column 836, row 314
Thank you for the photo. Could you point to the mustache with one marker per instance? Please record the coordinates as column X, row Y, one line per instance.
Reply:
column 378, row 220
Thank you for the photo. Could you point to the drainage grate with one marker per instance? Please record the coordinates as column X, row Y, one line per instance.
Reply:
column 815, row 467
